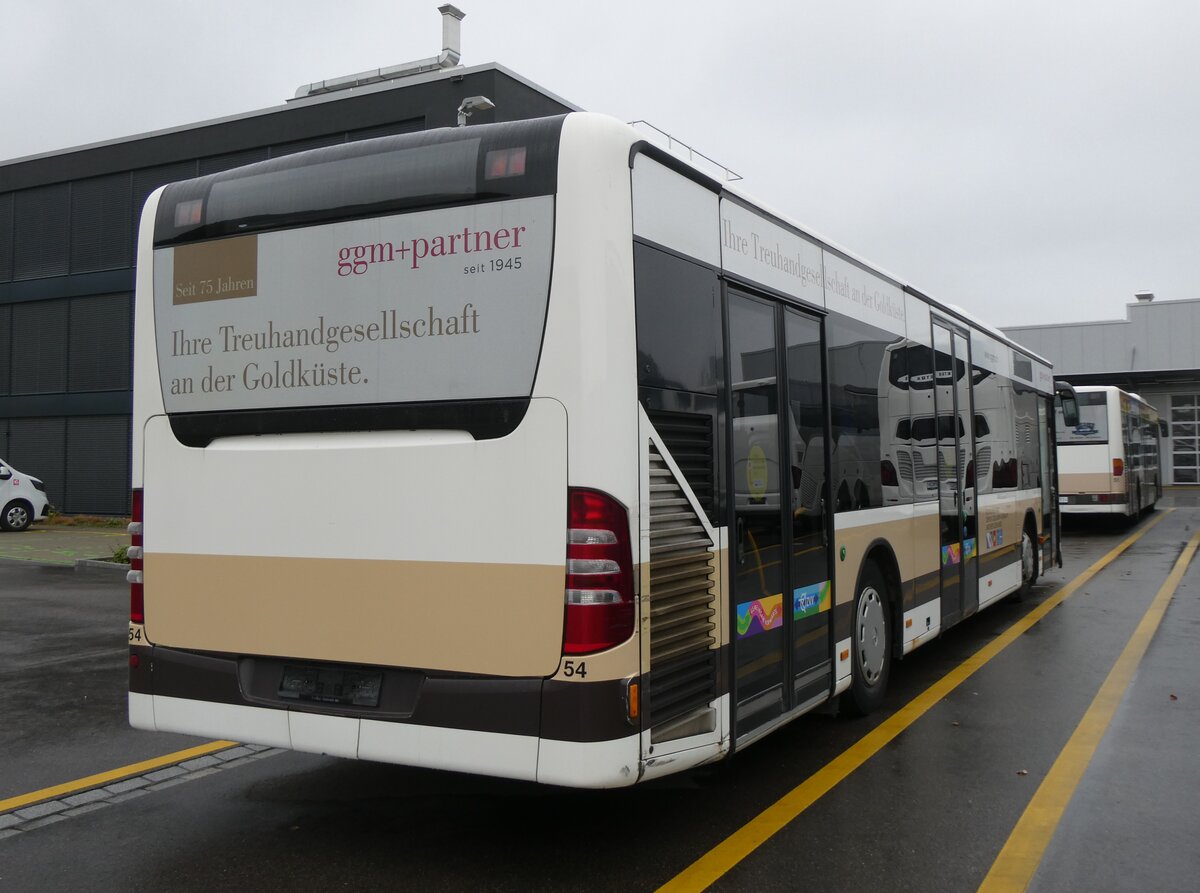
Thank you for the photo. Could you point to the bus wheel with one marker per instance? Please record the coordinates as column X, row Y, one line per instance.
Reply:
column 16, row 516
column 1029, row 569
column 871, row 647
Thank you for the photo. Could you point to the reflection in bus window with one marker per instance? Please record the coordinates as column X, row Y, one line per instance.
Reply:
column 860, row 358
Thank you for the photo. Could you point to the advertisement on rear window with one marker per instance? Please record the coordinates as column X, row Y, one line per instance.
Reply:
column 1093, row 420
column 437, row 305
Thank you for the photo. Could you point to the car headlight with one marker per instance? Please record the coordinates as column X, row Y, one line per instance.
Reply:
column 38, row 484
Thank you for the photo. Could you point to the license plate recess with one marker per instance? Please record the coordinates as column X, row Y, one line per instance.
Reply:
column 331, row 685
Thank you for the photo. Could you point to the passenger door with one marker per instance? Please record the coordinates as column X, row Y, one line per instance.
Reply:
column 956, row 472
column 780, row 569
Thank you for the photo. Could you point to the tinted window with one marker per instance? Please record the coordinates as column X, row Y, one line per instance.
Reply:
column 39, row 347
column 858, row 359
column 678, row 322
column 1093, row 420
column 99, row 208
column 1028, row 452
column 41, row 226
column 6, row 237
column 366, row 179
column 923, row 428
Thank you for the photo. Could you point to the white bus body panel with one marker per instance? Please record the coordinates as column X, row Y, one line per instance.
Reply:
column 369, row 548
column 672, row 211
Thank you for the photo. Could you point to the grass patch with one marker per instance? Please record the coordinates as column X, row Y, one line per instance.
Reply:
column 102, row 521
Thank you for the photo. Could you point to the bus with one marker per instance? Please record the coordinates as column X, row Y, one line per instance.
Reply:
column 1110, row 458
column 531, row 450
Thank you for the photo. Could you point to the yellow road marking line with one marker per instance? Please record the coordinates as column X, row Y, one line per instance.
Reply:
column 720, row 859
column 112, row 775
column 1022, row 853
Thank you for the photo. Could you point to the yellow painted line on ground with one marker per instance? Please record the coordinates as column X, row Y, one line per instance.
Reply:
column 112, row 775
column 1023, row 852
column 706, row 870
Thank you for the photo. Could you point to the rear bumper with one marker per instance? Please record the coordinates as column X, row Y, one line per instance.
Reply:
column 1094, row 504
column 534, row 729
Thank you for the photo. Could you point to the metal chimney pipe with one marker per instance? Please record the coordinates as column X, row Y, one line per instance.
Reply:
column 452, row 18
column 448, row 58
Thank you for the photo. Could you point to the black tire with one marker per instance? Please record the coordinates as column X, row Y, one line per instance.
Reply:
column 17, row 516
column 871, row 643
column 1132, row 516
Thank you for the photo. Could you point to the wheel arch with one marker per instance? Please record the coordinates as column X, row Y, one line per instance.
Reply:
column 19, row 500
column 879, row 552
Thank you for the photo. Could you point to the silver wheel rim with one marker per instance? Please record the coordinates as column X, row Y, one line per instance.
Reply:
column 1026, row 557
column 17, row 517
column 870, row 635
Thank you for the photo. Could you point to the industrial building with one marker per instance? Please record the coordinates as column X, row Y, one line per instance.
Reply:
column 68, row 225
column 1154, row 352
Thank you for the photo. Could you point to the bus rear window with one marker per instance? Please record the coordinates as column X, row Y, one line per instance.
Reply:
column 371, row 178
column 432, row 174
column 430, row 306
column 1093, row 420
column 924, row 428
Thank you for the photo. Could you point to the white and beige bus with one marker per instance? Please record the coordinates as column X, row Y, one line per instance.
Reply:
column 461, row 449
column 1110, row 458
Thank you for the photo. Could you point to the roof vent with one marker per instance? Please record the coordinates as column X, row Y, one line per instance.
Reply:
column 450, row 56
column 1144, row 297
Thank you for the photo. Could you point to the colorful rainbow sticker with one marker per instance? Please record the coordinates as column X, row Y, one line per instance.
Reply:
column 951, row 554
column 808, row 601
column 759, row 616
column 969, row 548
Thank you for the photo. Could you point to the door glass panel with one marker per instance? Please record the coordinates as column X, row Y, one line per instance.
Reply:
column 964, row 402
column 759, row 571
column 810, row 584
column 948, row 474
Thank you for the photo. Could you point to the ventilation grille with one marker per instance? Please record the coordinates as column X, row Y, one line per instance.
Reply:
column 983, row 464
column 689, row 437
column 682, row 603
column 912, row 466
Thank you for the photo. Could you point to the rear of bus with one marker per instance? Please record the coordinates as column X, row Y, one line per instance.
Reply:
column 379, row 406
column 1091, row 455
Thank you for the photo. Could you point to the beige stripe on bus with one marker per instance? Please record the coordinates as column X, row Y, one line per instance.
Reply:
column 434, row 615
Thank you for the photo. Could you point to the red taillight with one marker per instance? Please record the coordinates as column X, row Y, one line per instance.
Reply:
column 504, row 163
column 599, row 592
column 137, row 611
column 1118, row 468
column 887, row 474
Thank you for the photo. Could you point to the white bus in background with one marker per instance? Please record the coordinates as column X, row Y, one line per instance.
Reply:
column 461, row 449
column 1110, row 459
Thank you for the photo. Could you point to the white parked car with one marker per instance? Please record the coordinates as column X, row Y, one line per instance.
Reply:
column 22, row 499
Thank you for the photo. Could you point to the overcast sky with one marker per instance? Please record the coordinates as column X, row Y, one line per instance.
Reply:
column 1029, row 161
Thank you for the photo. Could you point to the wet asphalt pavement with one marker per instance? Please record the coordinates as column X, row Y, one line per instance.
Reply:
column 930, row 811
